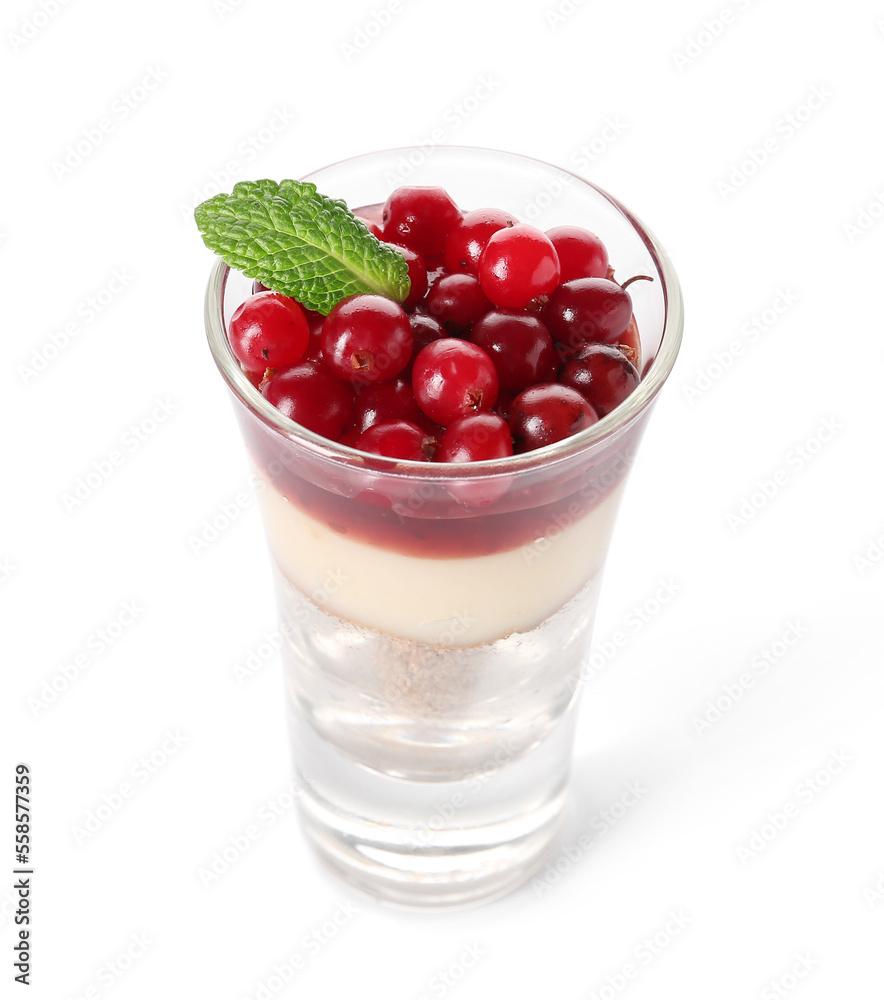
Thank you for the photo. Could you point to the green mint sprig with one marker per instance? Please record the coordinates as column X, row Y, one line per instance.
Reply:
column 301, row 243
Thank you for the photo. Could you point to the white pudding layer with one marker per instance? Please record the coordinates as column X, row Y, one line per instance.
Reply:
column 465, row 601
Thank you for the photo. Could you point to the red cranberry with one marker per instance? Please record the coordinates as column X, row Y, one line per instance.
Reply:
column 366, row 338
column 581, row 253
column 548, row 413
column 420, row 218
column 602, row 374
column 519, row 344
column 588, row 309
column 397, row 439
column 456, row 300
column 479, row 437
column 268, row 330
column 313, row 397
column 467, row 238
column 517, row 265
column 452, row 378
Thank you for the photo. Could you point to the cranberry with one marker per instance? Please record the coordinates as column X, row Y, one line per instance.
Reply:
column 630, row 343
column 417, row 275
column 517, row 265
column 581, row 253
column 268, row 330
column 389, row 400
column 545, row 414
column 452, row 378
column 367, row 338
column 588, row 309
column 519, row 344
column 312, row 396
column 397, row 439
column 467, row 239
column 420, row 218
column 602, row 374
column 456, row 300
column 425, row 330
column 479, row 437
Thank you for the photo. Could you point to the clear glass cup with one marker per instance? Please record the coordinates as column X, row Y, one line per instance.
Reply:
column 437, row 617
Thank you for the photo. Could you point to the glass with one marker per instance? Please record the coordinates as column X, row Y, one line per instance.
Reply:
column 436, row 617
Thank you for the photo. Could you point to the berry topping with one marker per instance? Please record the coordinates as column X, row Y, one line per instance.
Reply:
column 420, row 218
column 602, row 374
column 367, row 338
column 268, row 330
column 517, row 265
column 519, row 344
column 467, row 238
column 456, row 300
column 548, row 413
column 581, row 253
column 312, row 396
column 398, row 439
column 588, row 309
column 448, row 337
column 452, row 378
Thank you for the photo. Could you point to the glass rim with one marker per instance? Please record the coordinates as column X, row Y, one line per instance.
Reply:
column 606, row 427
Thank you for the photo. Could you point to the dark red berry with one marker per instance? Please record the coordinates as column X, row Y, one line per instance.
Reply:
column 452, row 378
column 581, row 253
column 420, row 218
column 398, row 439
column 468, row 237
column 548, row 413
column 268, row 330
column 389, row 400
column 456, row 300
column 425, row 329
column 366, row 338
column 504, row 405
column 588, row 309
column 602, row 374
column 518, row 343
column 517, row 265
column 313, row 397
column 417, row 275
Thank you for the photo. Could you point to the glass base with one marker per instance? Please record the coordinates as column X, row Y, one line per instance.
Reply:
column 440, row 845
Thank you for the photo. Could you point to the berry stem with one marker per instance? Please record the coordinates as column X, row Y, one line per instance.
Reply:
column 636, row 277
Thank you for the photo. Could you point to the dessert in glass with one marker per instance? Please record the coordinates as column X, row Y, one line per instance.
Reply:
column 437, row 614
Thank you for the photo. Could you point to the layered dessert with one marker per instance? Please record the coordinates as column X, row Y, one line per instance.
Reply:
column 437, row 582
column 441, row 404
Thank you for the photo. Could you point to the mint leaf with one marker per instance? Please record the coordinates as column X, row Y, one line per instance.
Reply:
column 300, row 243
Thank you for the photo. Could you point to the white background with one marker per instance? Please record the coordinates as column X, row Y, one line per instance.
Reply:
column 663, row 110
